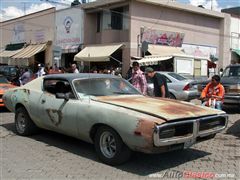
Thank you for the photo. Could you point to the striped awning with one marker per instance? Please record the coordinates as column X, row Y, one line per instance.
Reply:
column 30, row 51
column 7, row 54
column 152, row 60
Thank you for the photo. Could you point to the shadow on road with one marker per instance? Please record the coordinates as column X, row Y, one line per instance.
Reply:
column 231, row 109
column 140, row 164
column 235, row 129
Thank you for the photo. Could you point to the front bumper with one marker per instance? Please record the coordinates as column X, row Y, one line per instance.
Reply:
column 188, row 132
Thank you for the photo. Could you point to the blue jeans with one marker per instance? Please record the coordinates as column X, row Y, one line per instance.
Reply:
column 218, row 104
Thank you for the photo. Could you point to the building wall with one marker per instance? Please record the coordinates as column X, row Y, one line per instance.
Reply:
column 235, row 38
column 33, row 28
column 198, row 29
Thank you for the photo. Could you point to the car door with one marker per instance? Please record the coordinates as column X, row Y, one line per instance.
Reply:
column 58, row 114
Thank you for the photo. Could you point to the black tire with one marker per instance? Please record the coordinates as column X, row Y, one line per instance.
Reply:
column 122, row 152
column 171, row 96
column 23, row 124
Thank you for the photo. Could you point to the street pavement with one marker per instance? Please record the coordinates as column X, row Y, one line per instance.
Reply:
column 49, row 155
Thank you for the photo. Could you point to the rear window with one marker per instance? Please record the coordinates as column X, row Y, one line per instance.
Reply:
column 177, row 76
column 232, row 71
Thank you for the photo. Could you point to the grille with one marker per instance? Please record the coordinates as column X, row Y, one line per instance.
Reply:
column 176, row 130
column 212, row 123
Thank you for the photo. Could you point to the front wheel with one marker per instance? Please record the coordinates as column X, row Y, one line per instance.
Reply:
column 23, row 123
column 110, row 147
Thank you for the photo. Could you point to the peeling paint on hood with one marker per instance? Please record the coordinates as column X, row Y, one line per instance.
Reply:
column 159, row 107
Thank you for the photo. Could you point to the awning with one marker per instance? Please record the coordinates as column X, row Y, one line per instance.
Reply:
column 5, row 55
column 97, row 53
column 30, row 51
column 152, row 60
column 70, row 49
column 165, row 50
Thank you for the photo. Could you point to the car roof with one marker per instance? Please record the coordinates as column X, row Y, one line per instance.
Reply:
column 233, row 65
column 72, row 76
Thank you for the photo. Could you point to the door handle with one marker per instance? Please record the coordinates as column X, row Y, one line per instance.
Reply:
column 43, row 101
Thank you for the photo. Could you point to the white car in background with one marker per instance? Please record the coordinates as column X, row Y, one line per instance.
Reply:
column 180, row 87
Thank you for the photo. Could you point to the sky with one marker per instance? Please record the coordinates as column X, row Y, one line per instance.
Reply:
column 14, row 8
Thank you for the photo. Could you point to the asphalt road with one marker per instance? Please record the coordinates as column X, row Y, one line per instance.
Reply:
column 53, row 156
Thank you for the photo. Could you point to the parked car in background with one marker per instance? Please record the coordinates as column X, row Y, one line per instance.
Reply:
column 180, row 87
column 10, row 72
column 231, row 81
column 109, row 112
column 4, row 86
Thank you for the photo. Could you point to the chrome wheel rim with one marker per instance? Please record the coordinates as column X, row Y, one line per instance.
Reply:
column 108, row 144
column 21, row 123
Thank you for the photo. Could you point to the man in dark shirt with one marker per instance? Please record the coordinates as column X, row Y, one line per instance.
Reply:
column 159, row 82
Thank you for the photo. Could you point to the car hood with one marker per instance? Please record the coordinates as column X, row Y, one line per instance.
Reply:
column 5, row 87
column 230, row 80
column 166, row 109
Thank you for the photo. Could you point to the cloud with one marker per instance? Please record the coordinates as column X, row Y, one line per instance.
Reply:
column 11, row 12
column 206, row 4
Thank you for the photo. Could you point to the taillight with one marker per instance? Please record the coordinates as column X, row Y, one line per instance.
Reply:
column 186, row 88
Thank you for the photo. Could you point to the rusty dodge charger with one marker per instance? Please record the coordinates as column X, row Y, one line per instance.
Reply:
column 110, row 113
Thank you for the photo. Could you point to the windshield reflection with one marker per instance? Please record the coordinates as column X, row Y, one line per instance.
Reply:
column 104, row 87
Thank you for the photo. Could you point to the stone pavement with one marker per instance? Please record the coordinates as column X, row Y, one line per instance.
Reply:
column 53, row 156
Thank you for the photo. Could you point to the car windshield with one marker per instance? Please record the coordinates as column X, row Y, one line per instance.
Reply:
column 104, row 87
column 3, row 80
column 232, row 71
column 177, row 76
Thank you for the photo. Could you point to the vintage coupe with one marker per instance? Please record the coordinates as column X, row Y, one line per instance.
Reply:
column 110, row 113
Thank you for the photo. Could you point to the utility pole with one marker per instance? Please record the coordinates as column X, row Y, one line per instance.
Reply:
column 211, row 4
column 24, row 8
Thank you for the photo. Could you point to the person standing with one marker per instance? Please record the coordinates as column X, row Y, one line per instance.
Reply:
column 159, row 83
column 139, row 79
column 26, row 77
column 41, row 71
column 74, row 68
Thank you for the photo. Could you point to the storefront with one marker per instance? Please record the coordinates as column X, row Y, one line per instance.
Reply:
column 28, row 39
column 158, row 23
column 69, row 35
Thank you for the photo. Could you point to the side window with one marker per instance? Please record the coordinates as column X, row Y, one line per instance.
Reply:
column 54, row 86
column 168, row 80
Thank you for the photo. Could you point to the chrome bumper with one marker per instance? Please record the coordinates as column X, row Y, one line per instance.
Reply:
column 198, row 128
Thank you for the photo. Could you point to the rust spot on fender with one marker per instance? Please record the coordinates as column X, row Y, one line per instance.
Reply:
column 26, row 91
column 145, row 128
column 55, row 116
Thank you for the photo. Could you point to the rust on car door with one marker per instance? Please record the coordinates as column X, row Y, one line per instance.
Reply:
column 55, row 116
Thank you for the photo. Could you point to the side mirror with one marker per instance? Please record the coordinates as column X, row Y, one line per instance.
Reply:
column 62, row 96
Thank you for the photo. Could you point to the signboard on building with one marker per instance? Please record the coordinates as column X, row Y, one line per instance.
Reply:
column 18, row 35
column 162, row 37
column 69, row 27
column 200, row 51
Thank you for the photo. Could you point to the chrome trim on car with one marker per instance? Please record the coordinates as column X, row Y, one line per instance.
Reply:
column 190, row 138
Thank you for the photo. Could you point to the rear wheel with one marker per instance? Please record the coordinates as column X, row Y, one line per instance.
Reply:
column 23, row 123
column 171, row 96
column 110, row 147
